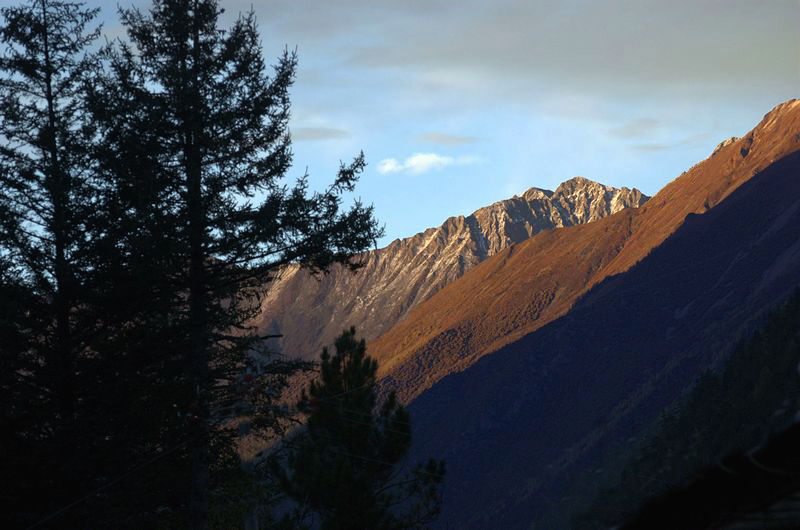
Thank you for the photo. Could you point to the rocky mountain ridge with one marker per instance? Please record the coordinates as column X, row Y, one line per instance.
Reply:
column 311, row 311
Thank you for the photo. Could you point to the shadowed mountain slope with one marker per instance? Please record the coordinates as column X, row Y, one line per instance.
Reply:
column 751, row 398
column 311, row 311
column 515, row 425
column 528, row 285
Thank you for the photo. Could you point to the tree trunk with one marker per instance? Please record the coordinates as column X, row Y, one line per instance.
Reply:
column 199, row 355
column 63, row 362
column 198, row 321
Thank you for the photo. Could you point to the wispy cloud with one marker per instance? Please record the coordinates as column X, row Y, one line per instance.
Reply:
column 635, row 128
column 692, row 140
column 447, row 139
column 679, row 44
column 422, row 163
column 652, row 148
column 308, row 134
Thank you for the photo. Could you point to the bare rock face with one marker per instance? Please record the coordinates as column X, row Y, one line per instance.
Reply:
column 311, row 311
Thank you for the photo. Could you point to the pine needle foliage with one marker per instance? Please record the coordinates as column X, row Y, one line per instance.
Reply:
column 344, row 470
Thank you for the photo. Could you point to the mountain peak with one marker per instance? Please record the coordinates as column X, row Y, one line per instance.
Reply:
column 579, row 182
column 575, row 201
column 310, row 312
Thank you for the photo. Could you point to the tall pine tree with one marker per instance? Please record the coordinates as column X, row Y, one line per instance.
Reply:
column 194, row 147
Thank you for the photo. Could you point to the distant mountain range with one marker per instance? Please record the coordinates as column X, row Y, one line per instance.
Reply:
column 311, row 311
column 525, row 371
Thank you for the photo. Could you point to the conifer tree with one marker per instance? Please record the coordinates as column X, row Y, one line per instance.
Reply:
column 342, row 471
column 46, row 191
column 194, row 147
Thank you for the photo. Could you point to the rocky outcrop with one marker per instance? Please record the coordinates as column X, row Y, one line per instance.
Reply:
column 723, row 144
column 311, row 311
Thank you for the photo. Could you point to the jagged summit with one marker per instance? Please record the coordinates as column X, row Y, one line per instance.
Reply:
column 575, row 201
column 583, row 185
column 310, row 312
column 579, row 182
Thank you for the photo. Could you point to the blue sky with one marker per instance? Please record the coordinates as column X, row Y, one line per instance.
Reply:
column 457, row 104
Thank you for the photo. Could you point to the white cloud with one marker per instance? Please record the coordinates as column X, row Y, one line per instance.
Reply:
column 389, row 165
column 421, row 163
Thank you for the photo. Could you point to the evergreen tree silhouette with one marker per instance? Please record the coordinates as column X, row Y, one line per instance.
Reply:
column 194, row 143
column 45, row 258
column 342, row 469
